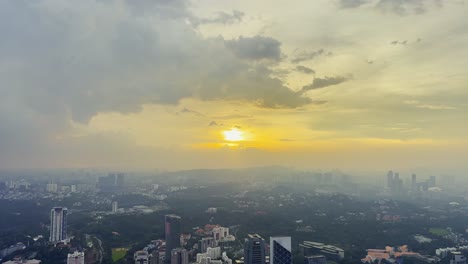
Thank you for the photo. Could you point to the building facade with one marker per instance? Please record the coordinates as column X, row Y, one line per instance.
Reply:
column 76, row 258
column 280, row 250
column 254, row 249
column 172, row 231
column 58, row 224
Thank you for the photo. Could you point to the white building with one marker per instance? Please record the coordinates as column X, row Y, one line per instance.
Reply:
column 226, row 259
column 52, row 187
column 115, row 207
column 213, row 253
column 219, row 233
column 76, row 258
column 141, row 257
column 58, row 224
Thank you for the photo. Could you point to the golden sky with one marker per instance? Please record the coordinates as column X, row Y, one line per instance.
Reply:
column 348, row 84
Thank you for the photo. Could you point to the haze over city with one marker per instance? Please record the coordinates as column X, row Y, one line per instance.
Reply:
column 362, row 85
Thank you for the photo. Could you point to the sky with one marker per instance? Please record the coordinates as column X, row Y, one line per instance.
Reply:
column 182, row 84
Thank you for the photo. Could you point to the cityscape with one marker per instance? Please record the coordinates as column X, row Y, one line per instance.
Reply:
column 209, row 217
column 233, row 132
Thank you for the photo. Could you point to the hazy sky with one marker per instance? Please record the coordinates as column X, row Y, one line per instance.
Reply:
column 176, row 84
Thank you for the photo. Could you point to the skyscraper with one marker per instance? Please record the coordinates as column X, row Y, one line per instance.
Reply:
column 280, row 250
column 413, row 182
column 254, row 249
column 179, row 256
column 173, row 230
column 390, row 180
column 58, row 224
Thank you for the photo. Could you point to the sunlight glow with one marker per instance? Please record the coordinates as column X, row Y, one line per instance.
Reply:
column 233, row 135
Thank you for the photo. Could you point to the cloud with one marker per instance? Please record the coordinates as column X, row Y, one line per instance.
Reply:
column 310, row 55
column 134, row 59
column 286, row 140
column 220, row 18
column 351, row 3
column 418, row 104
column 405, row 7
column 304, row 69
column 255, row 48
column 324, row 82
column 214, row 123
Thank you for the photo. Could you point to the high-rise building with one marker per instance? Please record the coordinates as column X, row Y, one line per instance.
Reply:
column 458, row 258
column 173, row 230
column 280, row 250
column 317, row 259
column 76, row 258
column 58, row 224
column 390, row 180
column 220, row 232
column 205, row 243
column 115, row 207
column 214, row 253
column 179, row 256
column 141, row 257
column 254, row 249
column 413, row 182
column 432, row 181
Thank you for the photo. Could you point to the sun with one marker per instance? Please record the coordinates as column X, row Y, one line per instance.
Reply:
column 233, row 135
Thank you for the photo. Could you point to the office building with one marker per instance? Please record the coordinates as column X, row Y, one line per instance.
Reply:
column 254, row 249
column 432, row 181
column 310, row 248
column 115, row 207
column 58, row 224
column 219, row 233
column 317, row 259
column 280, row 250
column 172, row 231
column 179, row 256
column 413, row 182
column 76, row 258
column 390, row 180
column 457, row 258
column 214, row 253
column 205, row 243
column 141, row 257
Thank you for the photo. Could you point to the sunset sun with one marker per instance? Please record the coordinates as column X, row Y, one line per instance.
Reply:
column 233, row 135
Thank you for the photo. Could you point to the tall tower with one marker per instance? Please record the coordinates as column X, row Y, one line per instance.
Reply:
column 413, row 182
column 390, row 180
column 254, row 249
column 173, row 230
column 280, row 250
column 58, row 224
column 179, row 256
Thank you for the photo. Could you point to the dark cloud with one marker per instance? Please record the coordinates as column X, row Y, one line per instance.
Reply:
column 351, row 3
column 220, row 18
column 65, row 62
column 304, row 69
column 190, row 111
column 214, row 123
column 310, row 55
column 255, row 48
column 324, row 82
